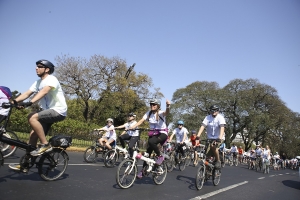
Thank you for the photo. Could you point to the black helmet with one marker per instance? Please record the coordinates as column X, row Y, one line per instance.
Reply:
column 214, row 108
column 47, row 64
column 132, row 114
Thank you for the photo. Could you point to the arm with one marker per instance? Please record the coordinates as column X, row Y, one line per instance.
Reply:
column 171, row 137
column 201, row 130
column 137, row 124
column 221, row 131
column 41, row 94
column 183, row 139
column 168, row 103
column 24, row 96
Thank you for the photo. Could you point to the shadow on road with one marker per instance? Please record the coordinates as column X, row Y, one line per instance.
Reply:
column 292, row 184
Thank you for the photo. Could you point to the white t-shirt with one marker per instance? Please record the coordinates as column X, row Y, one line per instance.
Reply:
column 3, row 99
column 157, row 124
column 234, row 149
column 111, row 134
column 55, row 98
column 258, row 151
column 179, row 133
column 265, row 154
column 213, row 125
column 131, row 132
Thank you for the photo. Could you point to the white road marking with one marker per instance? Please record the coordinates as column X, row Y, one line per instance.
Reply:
column 261, row 178
column 219, row 191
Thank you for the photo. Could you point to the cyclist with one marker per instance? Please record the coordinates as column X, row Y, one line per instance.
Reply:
column 181, row 134
column 131, row 135
column 157, row 120
column 252, row 157
column 5, row 95
column 110, row 134
column 196, row 146
column 222, row 150
column 234, row 150
column 52, row 102
column 240, row 154
column 214, row 124
column 258, row 152
column 266, row 155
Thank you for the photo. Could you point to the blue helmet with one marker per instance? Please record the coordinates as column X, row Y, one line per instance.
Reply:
column 193, row 131
column 180, row 122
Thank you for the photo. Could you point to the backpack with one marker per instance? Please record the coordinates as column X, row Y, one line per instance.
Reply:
column 150, row 115
column 6, row 91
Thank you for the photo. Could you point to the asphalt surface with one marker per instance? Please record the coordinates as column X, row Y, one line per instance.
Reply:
column 95, row 181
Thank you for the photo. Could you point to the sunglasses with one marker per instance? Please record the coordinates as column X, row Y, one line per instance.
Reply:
column 40, row 66
column 180, row 124
column 152, row 104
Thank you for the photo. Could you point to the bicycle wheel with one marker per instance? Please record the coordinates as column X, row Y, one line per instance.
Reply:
column 160, row 174
column 90, row 154
column 181, row 163
column 126, row 174
column 52, row 165
column 1, row 159
column 7, row 149
column 110, row 158
column 200, row 176
column 170, row 163
column 235, row 162
column 216, row 176
column 188, row 159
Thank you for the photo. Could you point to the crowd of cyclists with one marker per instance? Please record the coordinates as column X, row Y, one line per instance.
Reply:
column 51, row 99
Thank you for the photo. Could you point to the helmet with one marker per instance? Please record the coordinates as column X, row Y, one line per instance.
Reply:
column 180, row 122
column 155, row 101
column 214, row 108
column 132, row 114
column 193, row 131
column 47, row 64
column 110, row 120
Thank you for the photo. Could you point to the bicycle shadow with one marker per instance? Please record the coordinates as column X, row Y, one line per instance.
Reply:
column 31, row 175
column 146, row 180
column 292, row 184
column 187, row 180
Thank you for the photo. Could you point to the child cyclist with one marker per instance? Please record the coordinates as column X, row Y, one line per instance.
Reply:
column 157, row 120
column 131, row 135
column 110, row 134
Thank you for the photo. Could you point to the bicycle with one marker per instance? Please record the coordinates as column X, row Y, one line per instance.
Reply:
column 51, row 165
column 5, row 148
column 91, row 153
column 266, row 166
column 222, row 158
column 235, row 160
column 258, row 164
column 179, row 159
column 127, row 169
column 168, row 152
column 113, row 155
column 207, row 169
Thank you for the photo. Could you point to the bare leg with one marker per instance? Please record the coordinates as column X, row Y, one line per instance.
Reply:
column 37, row 127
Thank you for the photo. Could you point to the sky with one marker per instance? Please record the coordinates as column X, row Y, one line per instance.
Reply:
column 175, row 42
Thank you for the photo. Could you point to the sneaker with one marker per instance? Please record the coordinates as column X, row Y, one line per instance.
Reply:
column 139, row 175
column 159, row 160
column 39, row 151
column 218, row 164
column 16, row 167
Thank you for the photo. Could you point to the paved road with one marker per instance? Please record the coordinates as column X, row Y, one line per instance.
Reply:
column 94, row 181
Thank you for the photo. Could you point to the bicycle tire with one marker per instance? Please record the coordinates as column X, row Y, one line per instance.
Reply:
column 160, row 174
column 125, row 177
column 7, row 149
column 53, row 165
column 216, row 176
column 236, row 162
column 181, row 164
column 1, row 159
column 200, row 176
column 188, row 159
column 170, row 163
column 90, row 154
column 110, row 158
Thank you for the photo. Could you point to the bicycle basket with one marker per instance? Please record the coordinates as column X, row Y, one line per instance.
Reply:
column 61, row 141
